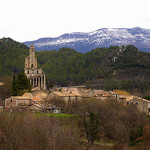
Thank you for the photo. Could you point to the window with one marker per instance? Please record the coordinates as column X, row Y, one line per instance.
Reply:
column 24, row 101
column 32, row 66
column 11, row 101
column 136, row 103
column 37, row 72
column 28, row 71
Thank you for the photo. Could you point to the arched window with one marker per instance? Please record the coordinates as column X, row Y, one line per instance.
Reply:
column 28, row 71
column 37, row 72
column 32, row 66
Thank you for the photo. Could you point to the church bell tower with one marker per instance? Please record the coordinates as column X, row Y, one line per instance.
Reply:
column 35, row 75
column 31, row 62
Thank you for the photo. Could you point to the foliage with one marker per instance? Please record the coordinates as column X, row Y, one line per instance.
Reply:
column 109, row 120
column 25, row 131
column 12, row 56
column 20, row 84
column 147, row 97
column 5, row 90
column 14, row 86
column 91, row 127
column 121, row 92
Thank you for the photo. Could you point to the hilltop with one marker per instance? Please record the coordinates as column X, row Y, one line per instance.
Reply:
column 105, row 37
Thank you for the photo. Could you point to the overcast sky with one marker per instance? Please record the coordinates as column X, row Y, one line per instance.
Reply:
column 26, row 20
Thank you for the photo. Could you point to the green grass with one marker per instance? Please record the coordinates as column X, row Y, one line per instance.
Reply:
column 62, row 115
column 57, row 115
column 40, row 114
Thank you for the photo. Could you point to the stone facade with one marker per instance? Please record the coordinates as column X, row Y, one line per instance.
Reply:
column 142, row 104
column 27, row 102
column 17, row 101
column 35, row 75
column 68, row 97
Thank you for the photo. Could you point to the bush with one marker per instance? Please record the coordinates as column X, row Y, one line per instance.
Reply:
column 25, row 131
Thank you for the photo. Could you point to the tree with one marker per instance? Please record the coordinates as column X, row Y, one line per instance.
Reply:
column 5, row 90
column 20, row 84
column 91, row 127
column 147, row 97
column 94, row 122
column 14, row 87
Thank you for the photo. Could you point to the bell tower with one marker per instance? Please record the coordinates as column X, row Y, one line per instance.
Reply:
column 35, row 75
column 31, row 62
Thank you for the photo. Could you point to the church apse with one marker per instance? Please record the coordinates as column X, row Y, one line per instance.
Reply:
column 35, row 75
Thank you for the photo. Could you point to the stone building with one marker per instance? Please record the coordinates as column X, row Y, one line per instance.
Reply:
column 18, row 101
column 35, row 75
column 67, row 94
column 68, row 97
column 26, row 102
column 142, row 104
column 1, row 83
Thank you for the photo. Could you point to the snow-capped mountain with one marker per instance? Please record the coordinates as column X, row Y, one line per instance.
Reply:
column 105, row 37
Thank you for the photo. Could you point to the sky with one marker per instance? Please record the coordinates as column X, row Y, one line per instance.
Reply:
column 27, row 20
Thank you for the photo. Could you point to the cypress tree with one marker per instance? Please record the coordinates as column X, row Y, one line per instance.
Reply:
column 14, row 86
column 20, row 84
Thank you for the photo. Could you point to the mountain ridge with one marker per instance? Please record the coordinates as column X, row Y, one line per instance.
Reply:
column 104, row 37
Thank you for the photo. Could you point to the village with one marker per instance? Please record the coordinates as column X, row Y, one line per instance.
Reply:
column 40, row 99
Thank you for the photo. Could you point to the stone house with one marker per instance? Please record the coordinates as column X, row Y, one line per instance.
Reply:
column 124, row 98
column 14, row 102
column 26, row 101
column 86, row 93
column 103, row 95
column 66, row 96
column 142, row 104
column 1, row 83
column 18, row 101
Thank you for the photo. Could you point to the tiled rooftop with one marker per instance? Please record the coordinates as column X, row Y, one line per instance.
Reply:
column 1, row 83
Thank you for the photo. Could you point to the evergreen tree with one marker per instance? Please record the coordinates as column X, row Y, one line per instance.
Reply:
column 20, row 84
column 14, row 87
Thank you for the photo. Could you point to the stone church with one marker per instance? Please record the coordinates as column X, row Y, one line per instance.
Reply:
column 35, row 75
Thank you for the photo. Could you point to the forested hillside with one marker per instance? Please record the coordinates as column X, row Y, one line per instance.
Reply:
column 12, row 55
column 107, row 68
